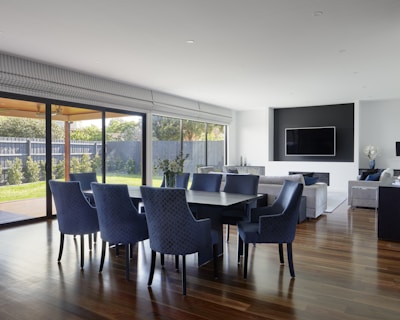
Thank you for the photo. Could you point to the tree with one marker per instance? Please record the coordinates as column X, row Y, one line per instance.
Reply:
column 120, row 130
column 166, row 129
column 193, row 130
column 90, row 133
column 28, row 128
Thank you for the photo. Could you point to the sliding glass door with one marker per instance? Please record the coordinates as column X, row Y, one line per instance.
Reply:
column 22, row 160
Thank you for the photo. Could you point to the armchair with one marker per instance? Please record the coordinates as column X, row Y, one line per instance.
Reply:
column 273, row 224
column 119, row 221
column 75, row 215
column 173, row 229
column 206, row 182
column 243, row 184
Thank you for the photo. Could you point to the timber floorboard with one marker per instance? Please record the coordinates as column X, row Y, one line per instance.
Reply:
column 342, row 272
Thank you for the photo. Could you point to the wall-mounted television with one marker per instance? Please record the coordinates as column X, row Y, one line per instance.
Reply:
column 310, row 141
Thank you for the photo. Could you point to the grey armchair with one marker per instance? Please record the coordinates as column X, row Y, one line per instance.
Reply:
column 173, row 229
column 273, row 224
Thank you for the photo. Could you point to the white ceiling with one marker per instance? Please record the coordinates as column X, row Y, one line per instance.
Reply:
column 248, row 54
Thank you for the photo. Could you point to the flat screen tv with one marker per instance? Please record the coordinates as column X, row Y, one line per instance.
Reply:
column 310, row 141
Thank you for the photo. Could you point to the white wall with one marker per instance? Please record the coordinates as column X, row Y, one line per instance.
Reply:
column 380, row 126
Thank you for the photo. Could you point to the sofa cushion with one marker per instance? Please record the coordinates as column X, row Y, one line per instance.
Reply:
column 281, row 179
column 386, row 175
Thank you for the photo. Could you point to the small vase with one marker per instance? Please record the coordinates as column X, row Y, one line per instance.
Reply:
column 372, row 164
column 170, row 179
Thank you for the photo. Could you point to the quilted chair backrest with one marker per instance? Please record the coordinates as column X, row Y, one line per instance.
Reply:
column 74, row 214
column 118, row 218
column 182, row 180
column 85, row 178
column 172, row 227
column 206, row 182
column 243, row 184
column 288, row 202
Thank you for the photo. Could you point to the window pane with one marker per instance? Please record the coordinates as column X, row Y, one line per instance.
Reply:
column 123, row 148
column 166, row 143
column 216, row 145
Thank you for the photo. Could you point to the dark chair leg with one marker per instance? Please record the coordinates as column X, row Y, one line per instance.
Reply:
column 95, row 237
column 184, row 275
column 60, row 251
column 290, row 259
column 227, row 232
column 90, row 236
column 127, row 258
column 246, row 258
column 215, row 260
column 103, row 254
column 82, row 249
column 281, row 259
column 177, row 262
column 240, row 248
column 162, row 260
column 152, row 267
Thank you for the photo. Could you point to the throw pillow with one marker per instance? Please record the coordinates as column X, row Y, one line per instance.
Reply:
column 308, row 181
column 366, row 173
column 373, row 177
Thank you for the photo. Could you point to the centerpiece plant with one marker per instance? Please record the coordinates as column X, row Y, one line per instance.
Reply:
column 171, row 168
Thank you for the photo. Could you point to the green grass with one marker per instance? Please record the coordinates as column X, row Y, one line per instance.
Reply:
column 23, row 191
column 38, row 189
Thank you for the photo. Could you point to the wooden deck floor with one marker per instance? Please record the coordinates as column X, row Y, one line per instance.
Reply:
column 342, row 272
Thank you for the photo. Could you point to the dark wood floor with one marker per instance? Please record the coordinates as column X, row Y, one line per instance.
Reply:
column 342, row 272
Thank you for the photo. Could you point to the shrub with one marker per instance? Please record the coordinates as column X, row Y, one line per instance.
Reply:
column 130, row 166
column 32, row 170
column 86, row 163
column 14, row 174
column 58, row 169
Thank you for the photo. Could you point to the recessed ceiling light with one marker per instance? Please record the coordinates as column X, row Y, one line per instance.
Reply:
column 190, row 41
column 318, row 13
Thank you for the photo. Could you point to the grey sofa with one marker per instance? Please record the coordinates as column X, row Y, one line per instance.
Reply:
column 316, row 194
column 363, row 193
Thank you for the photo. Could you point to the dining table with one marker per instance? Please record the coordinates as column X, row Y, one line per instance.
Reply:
column 205, row 204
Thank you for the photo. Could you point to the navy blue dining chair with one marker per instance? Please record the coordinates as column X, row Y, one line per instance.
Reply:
column 173, row 228
column 276, row 223
column 75, row 215
column 119, row 221
column 85, row 178
column 181, row 180
column 206, row 182
column 243, row 184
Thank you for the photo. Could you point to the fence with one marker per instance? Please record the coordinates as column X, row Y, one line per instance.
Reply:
column 117, row 152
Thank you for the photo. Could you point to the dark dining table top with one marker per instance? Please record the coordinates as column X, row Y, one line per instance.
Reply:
column 201, row 197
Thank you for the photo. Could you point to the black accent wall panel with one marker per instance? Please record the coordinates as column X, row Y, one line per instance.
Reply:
column 339, row 115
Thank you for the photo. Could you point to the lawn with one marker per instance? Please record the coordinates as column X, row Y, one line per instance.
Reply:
column 38, row 189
